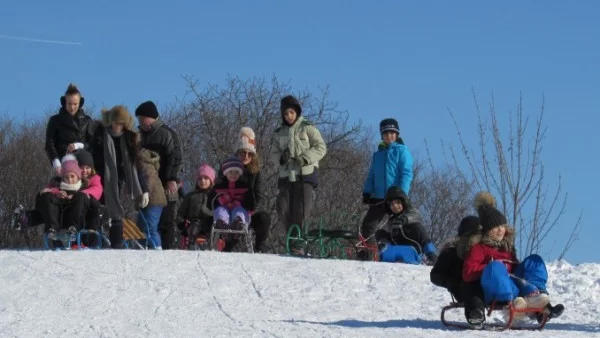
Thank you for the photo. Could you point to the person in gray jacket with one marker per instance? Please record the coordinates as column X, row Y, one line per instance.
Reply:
column 297, row 148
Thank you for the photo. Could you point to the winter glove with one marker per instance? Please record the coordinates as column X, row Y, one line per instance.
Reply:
column 366, row 198
column 224, row 199
column 145, row 200
column 301, row 162
column 285, row 157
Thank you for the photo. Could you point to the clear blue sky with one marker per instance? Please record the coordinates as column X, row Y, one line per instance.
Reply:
column 407, row 59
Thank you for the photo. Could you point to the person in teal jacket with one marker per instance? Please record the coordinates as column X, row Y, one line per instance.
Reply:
column 392, row 166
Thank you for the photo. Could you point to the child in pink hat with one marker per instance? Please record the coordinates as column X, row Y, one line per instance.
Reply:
column 194, row 217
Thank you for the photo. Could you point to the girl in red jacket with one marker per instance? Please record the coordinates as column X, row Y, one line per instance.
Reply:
column 493, row 261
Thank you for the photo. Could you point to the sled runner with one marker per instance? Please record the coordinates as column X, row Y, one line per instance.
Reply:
column 515, row 319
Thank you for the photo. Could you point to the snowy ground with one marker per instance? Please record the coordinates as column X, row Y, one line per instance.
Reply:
column 209, row 294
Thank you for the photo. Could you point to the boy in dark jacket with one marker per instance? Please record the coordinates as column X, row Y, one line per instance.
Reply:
column 447, row 271
column 406, row 230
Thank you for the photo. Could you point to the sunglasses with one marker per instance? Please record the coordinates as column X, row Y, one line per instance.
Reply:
column 245, row 153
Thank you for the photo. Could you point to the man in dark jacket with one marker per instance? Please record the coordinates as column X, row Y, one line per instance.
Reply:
column 158, row 137
column 68, row 130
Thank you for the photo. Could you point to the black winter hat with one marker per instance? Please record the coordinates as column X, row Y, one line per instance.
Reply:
column 468, row 226
column 395, row 193
column 147, row 109
column 489, row 216
column 84, row 158
column 290, row 102
column 389, row 125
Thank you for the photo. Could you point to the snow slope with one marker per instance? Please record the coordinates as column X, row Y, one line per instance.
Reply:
column 209, row 294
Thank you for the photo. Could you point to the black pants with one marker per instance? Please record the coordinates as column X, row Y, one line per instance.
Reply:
column 472, row 295
column 260, row 222
column 166, row 227
column 61, row 213
column 372, row 220
column 294, row 203
column 116, row 234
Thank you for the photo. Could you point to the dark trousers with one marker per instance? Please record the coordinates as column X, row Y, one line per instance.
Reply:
column 61, row 213
column 294, row 203
column 472, row 297
column 166, row 226
column 260, row 223
column 372, row 220
column 116, row 234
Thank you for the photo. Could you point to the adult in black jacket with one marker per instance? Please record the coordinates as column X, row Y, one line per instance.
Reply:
column 158, row 137
column 447, row 271
column 246, row 152
column 68, row 130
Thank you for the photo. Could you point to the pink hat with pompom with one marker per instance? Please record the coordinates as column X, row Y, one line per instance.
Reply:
column 69, row 164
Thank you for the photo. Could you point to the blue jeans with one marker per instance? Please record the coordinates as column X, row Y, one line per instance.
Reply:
column 148, row 219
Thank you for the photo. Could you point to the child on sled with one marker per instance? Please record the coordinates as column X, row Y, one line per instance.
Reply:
column 405, row 240
column 234, row 201
column 63, row 204
column 494, row 262
column 195, row 215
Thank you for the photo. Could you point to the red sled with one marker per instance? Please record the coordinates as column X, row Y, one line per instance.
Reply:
column 510, row 321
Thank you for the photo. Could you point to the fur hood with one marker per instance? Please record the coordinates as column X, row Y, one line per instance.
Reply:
column 464, row 244
column 117, row 114
column 149, row 157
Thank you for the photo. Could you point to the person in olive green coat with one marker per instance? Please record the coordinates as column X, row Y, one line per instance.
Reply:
column 297, row 148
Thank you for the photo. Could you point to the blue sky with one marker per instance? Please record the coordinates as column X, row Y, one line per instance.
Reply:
column 407, row 59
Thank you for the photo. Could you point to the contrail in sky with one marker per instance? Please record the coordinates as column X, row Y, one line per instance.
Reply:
column 19, row 38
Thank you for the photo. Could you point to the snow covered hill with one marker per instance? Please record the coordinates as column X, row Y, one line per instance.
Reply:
column 209, row 294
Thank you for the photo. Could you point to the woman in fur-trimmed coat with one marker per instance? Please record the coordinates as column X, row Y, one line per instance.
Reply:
column 115, row 148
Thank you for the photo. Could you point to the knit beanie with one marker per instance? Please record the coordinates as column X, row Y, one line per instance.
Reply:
column 489, row 216
column 147, row 109
column 247, row 141
column 232, row 163
column 206, row 171
column 468, row 226
column 290, row 102
column 84, row 158
column 389, row 125
column 395, row 193
column 69, row 165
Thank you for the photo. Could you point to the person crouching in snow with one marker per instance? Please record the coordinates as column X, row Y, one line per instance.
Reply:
column 63, row 196
column 447, row 271
column 494, row 261
column 148, row 165
column 195, row 215
column 407, row 240
column 234, row 200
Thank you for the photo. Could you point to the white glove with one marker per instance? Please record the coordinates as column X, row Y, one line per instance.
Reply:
column 145, row 200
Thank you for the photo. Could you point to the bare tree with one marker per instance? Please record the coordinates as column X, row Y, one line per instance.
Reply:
column 442, row 194
column 25, row 170
column 512, row 169
column 209, row 118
